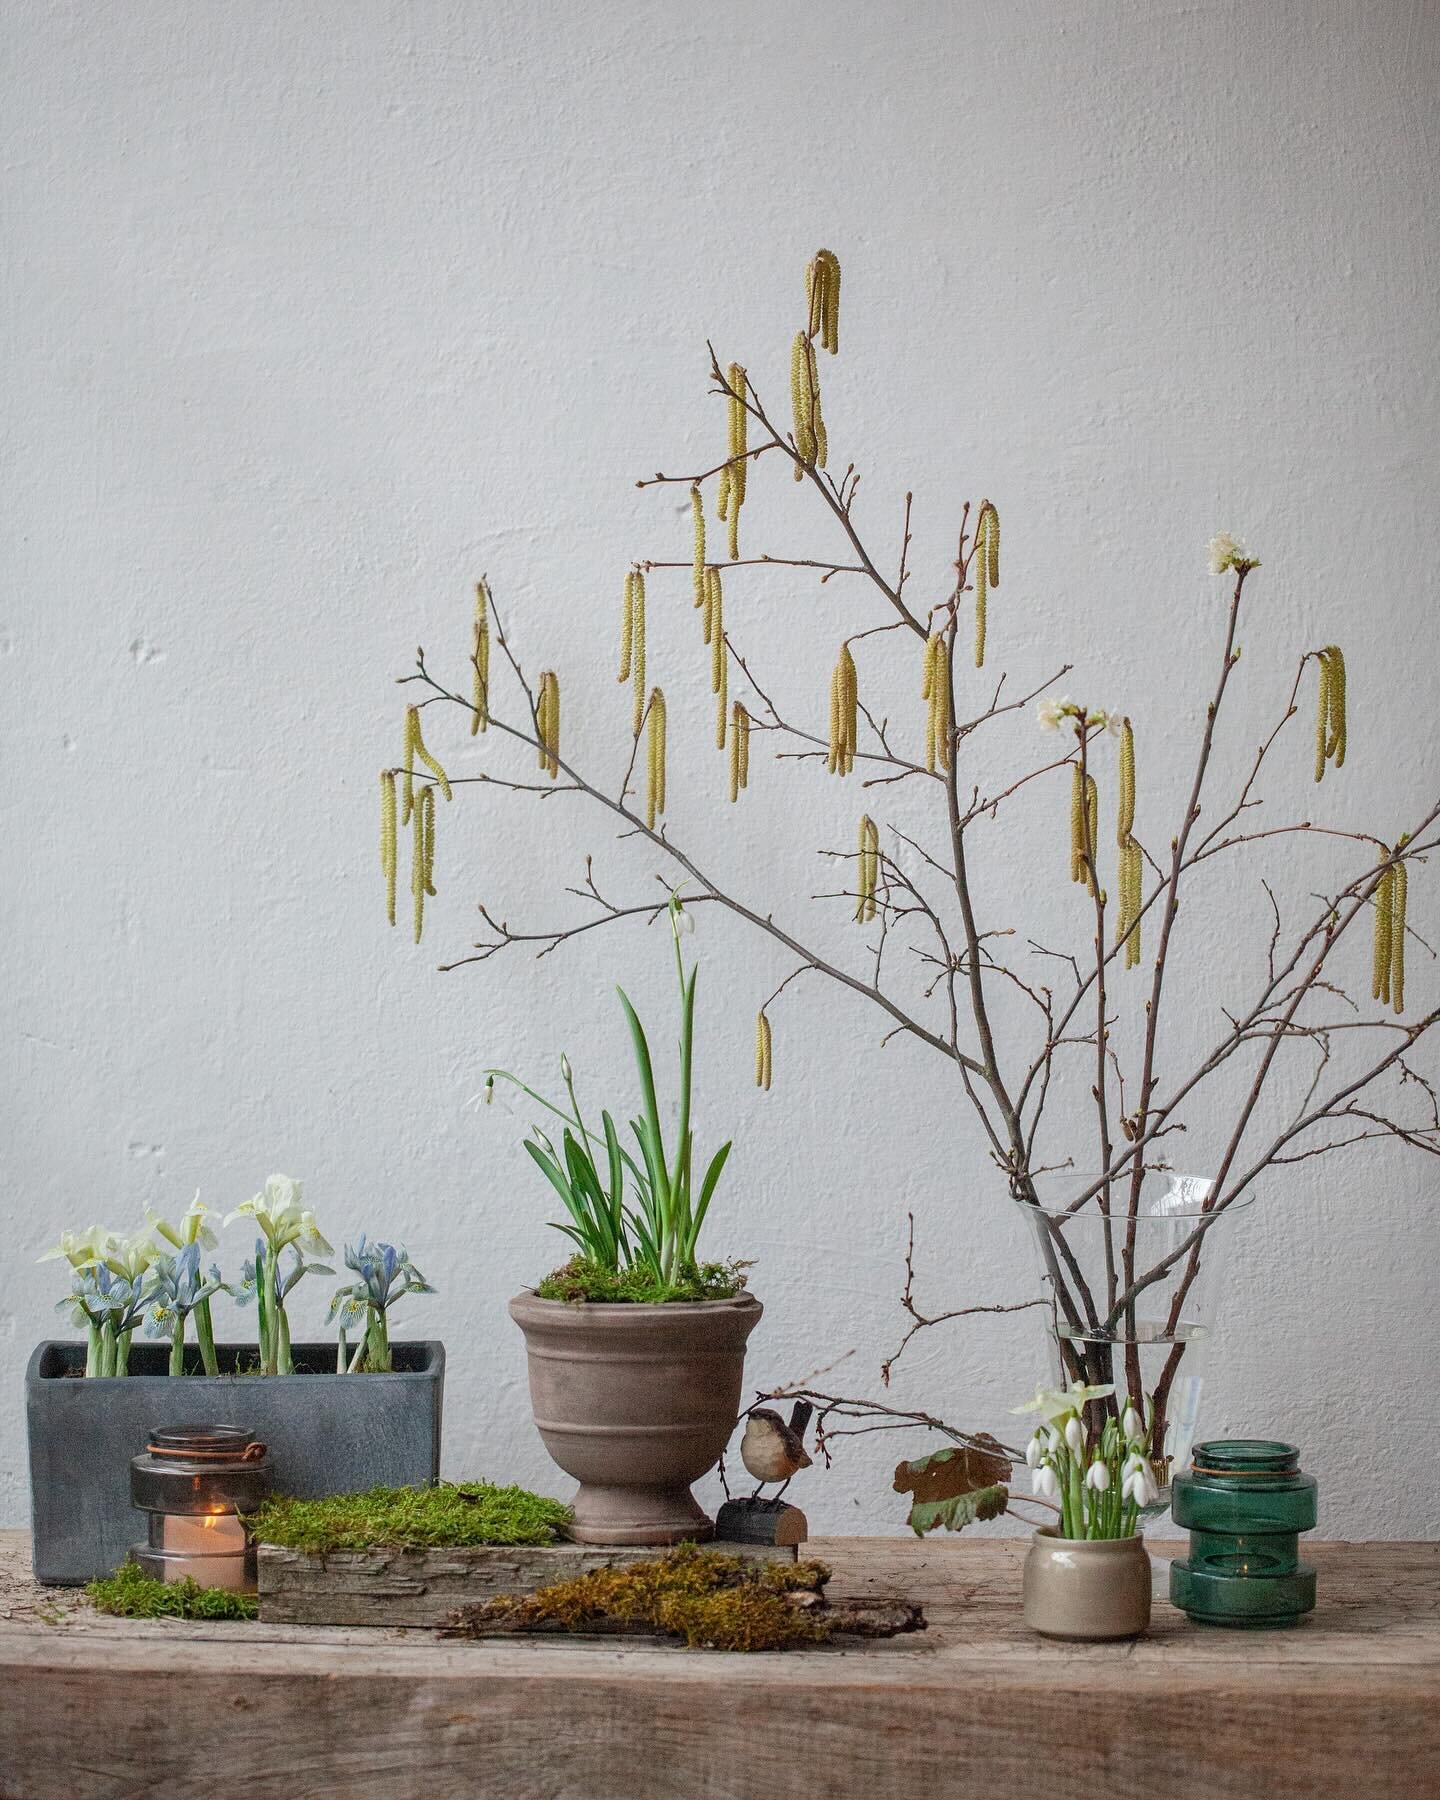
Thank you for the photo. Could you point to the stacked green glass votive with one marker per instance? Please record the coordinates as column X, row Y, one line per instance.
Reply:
column 1244, row 1502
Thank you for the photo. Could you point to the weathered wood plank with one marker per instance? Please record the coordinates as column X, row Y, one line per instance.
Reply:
column 1347, row 1706
column 424, row 1587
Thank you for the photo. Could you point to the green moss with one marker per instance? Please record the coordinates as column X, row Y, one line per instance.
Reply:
column 580, row 1279
column 132, row 1594
column 410, row 1518
column 711, row 1600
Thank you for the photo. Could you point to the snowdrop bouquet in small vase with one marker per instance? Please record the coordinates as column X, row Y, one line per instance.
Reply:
column 1087, row 1575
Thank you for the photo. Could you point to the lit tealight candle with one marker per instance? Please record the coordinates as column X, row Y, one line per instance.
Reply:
column 194, row 1481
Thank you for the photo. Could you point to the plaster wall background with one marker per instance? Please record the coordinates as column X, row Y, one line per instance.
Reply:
column 315, row 312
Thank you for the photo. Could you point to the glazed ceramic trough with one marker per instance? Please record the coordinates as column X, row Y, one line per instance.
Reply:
column 636, row 1402
column 1086, row 1588
column 327, row 1434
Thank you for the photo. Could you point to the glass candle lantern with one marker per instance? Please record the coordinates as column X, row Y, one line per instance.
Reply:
column 194, row 1481
column 1244, row 1502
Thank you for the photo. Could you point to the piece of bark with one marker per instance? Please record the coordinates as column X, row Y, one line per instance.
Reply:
column 878, row 1616
column 425, row 1587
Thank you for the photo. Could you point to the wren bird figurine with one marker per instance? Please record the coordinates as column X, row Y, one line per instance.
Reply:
column 774, row 1451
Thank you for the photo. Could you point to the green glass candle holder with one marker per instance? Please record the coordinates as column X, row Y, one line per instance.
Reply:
column 1244, row 1502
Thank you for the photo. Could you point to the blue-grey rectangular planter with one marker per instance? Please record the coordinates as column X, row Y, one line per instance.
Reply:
column 328, row 1434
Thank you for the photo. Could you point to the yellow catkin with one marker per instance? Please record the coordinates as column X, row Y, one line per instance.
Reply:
column 389, row 846
column 422, row 856
column 627, row 626
column 407, row 789
column 739, row 749
column 844, row 707
column 1127, row 920
column 632, row 644
column 800, row 403
column 415, row 746
column 982, row 603
column 1399, row 886
column 697, row 514
column 655, row 759
column 763, row 1051
column 731, row 495
column 1322, row 712
column 714, row 622
column 811, row 443
column 1337, row 706
column 427, row 819
column 1084, row 818
column 935, row 690
column 1330, row 729
column 822, row 299
column 722, row 697
column 867, row 869
column 547, row 723
column 1335, row 740
column 1125, row 813
column 986, row 572
column 1384, row 921
column 480, row 662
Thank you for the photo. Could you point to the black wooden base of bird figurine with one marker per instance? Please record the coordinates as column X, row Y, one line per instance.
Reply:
column 753, row 1521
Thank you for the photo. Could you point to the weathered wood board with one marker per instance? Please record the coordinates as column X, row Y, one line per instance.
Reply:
column 1346, row 1707
column 424, row 1587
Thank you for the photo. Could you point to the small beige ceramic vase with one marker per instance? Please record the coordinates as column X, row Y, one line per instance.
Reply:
column 1086, row 1587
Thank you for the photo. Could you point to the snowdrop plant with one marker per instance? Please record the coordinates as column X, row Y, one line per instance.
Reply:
column 1101, row 1481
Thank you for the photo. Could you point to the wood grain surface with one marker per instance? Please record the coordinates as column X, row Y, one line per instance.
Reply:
column 1347, row 1705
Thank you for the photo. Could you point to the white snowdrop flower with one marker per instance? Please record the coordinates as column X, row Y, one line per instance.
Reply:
column 684, row 922
column 1052, row 712
column 1097, row 1477
column 565, row 1069
column 492, row 1094
column 1224, row 552
column 1132, row 1425
column 1045, row 1483
column 1074, row 1435
column 1034, row 1450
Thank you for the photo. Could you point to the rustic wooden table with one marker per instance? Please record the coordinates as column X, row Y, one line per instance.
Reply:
column 1346, row 1705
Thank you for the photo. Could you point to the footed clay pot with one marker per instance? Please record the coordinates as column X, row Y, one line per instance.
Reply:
column 636, row 1402
column 1086, row 1587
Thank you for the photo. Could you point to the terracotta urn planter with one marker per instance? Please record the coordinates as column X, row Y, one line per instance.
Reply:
column 1086, row 1588
column 636, row 1402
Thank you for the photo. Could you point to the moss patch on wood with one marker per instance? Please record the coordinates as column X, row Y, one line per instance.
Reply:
column 449, row 1515
column 710, row 1600
column 132, row 1594
column 581, row 1279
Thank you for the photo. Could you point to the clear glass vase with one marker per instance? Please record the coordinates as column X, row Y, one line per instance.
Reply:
column 1134, row 1283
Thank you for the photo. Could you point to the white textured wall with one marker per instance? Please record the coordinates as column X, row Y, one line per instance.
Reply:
column 317, row 310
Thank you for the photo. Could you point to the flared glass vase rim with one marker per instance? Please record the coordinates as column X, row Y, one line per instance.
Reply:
column 1082, row 1179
